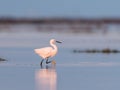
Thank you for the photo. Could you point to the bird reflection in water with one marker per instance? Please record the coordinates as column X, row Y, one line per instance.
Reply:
column 46, row 78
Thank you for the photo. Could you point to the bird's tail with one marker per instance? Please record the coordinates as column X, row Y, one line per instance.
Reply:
column 35, row 50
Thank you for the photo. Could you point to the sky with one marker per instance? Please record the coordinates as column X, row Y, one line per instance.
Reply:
column 60, row 8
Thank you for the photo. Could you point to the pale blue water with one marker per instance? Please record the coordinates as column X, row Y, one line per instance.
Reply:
column 73, row 71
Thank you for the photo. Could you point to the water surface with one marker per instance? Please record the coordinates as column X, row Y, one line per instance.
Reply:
column 73, row 71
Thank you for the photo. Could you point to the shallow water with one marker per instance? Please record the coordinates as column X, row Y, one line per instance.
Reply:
column 73, row 71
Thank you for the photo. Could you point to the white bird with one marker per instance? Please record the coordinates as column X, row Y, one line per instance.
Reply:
column 47, row 52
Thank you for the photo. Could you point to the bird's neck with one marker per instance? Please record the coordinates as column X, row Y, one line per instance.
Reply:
column 54, row 46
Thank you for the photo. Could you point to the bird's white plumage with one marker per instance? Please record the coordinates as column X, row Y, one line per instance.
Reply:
column 44, row 52
column 47, row 52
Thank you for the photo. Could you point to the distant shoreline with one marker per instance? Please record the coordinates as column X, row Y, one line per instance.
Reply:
column 97, row 21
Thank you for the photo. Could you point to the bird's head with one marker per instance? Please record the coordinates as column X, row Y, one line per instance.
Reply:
column 54, row 41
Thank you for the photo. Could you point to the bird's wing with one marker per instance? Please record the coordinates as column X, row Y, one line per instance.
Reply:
column 44, row 51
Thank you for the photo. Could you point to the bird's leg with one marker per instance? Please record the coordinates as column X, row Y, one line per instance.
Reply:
column 41, row 62
column 47, row 61
column 41, row 66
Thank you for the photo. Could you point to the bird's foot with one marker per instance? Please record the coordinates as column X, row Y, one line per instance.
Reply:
column 53, row 62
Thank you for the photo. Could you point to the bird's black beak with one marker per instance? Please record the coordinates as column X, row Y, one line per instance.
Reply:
column 58, row 42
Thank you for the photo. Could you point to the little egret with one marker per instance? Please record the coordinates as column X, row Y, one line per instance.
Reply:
column 47, row 52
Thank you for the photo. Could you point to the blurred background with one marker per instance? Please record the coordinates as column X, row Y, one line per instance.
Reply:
column 94, row 21
column 63, row 8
